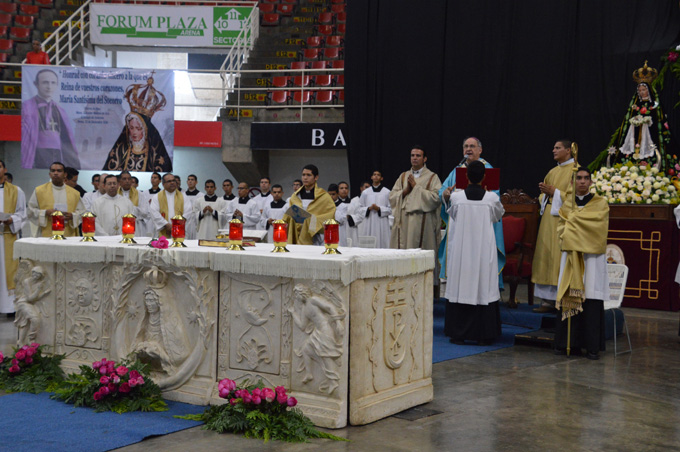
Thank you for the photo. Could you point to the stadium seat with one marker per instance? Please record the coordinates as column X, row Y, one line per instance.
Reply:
column 334, row 41
column 298, row 65
column 339, row 80
column 278, row 97
column 6, row 45
column 3, row 59
column 341, row 17
column 332, row 53
column 301, row 80
column 341, row 96
column 23, row 2
column 45, row 3
column 339, row 8
column 325, row 96
column 338, row 64
column 267, row 8
column 310, row 54
column 303, row 97
column 280, row 81
column 319, row 64
column 325, row 30
column 3, row 31
column 29, row 10
column 24, row 21
column 20, row 34
column 9, row 8
column 325, row 19
column 285, row 10
column 5, row 19
column 313, row 42
column 342, row 28
column 322, row 80
column 270, row 20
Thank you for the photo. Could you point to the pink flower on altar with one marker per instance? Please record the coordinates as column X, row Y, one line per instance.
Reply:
column 280, row 390
column 112, row 387
column 14, row 369
column 228, row 384
column 35, row 345
column 104, row 390
column 121, row 370
column 140, row 381
column 132, row 382
column 30, row 351
column 673, row 56
column 256, row 392
column 103, row 370
column 233, row 402
column 256, row 400
column 97, row 395
column 2, row 357
column 104, row 380
column 115, row 379
column 224, row 393
column 124, row 388
column 247, row 398
column 28, row 360
column 268, row 394
column 20, row 355
column 241, row 393
column 134, row 374
column 96, row 365
column 282, row 399
column 292, row 401
column 15, row 361
column 162, row 243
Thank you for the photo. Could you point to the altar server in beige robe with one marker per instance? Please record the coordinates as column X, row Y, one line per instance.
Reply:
column 13, row 203
column 52, row 196
column 110, row 209
column 415, row 205
column 138, row 200
column 168, row 203
column 546, row 264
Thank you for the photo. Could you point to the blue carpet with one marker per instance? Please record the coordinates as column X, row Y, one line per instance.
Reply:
column 443, row 350
column 33, row 422
column 523, row 316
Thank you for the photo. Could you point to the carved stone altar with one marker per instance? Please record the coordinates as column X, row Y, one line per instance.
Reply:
column 302, row 320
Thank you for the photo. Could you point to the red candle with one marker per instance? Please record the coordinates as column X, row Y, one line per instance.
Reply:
column 58, row 223
column 129, row 225
column 280, row 233
column 331, row 234
column 235, row 231
column 88, row 225
column 178, row 231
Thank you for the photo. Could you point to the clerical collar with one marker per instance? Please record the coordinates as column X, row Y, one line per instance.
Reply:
column 243, row 200
column 571, row 160
column 153, row 191
column 193, row 192
column 304, row 194
column 583, row 200
column 229, row 197
column 346, row 200
column 212, row 198
column 2, row 185
column 277, row 204
column 111, row 197
column 264, row 195
column 337, row 202
column 377, row 189
column 416, row 173
column 58, row 187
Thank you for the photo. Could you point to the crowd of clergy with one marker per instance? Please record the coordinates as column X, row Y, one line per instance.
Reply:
column 462, row 227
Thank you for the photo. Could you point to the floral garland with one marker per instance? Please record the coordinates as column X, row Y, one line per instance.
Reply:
column 108, row 386
column 29, row 371
column 671, row 62
column 259, row 412
column 631, row 184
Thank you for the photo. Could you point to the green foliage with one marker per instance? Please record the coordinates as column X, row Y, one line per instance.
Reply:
column 42, row 374
column 79, row 389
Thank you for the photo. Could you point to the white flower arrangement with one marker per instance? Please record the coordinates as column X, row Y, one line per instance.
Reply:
column 631, row 184
column 638, row 120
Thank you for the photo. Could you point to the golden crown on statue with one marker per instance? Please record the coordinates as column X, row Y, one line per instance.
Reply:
column 155, row 278
column 645, row 74
column 145, row 99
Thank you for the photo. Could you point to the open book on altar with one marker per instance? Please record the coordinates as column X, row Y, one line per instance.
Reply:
column 298, row 214
column 491, row 181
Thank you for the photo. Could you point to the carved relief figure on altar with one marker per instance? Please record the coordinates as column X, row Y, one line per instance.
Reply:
column 254, row 343
column 644, row 134
column 29, row 311
column 321, row 318
column 82, row 316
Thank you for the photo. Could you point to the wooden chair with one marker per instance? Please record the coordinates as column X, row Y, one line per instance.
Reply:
column 520, row 229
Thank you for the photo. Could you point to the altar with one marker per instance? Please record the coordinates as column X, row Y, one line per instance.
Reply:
column 350, row 335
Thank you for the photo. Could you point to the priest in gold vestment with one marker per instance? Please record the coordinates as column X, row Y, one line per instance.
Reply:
column 13, row 203
column 546, row 263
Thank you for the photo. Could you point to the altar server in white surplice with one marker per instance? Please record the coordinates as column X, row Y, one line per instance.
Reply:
column 138, row 200
column 272, row 211
column 192, row 195
column 375, row 203
column 207, row 211
column 166, row 204
column 89, row 198
column 473, row 311
column 349, row 214
column 110, row 209
column 12, row 202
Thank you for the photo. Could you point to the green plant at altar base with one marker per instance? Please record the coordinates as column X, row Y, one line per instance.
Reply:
column 28, row 370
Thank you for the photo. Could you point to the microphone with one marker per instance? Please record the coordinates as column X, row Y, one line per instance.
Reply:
column 463, row 161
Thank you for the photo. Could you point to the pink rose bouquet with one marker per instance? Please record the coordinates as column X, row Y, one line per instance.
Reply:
column 29, row 371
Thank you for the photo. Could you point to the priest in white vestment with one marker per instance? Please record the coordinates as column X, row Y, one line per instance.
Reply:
column 244, row 208
column 192, row 195
column 110, row 208
column 273, row 211
column 349, row 214
column 473, row 311
column 168, row 203
column 138, row 200
column 13, row 204
column 207, row 211
column 52, row 196
column 89, row 198
column 375, row 204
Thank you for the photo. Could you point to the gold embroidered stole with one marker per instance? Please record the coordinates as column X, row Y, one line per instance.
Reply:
column 10, row 206
column 163, row 206
column 134, row 196
column 45, row 198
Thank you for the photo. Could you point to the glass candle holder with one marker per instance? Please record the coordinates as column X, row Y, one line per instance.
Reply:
column 88, row 226
column 58, row 225
column 129, row 225
column 331, row 236
column 236, row 235
column 280, row 236
column 178, row 231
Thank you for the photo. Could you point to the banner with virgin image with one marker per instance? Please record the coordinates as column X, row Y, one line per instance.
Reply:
column 97, row 118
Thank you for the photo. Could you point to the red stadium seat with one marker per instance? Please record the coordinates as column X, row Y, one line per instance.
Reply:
column 339, row 80
column 6, row 45
column 303, row 97
column 24, row 21
column 270, row 20
column 341, row 17
column 280, row 81
column 339, row 64
column 334, row 41
column 285, row 10
column 9, row 8
column 267, row 8
column 319, row 64
column 331, row 53
column 342, row 28
column 326, row 96
column 325, row 19
column 322, row 80
column 20, row 34
column 298, row 65
column 310, row 54
column 300, row 80
column 278, row 97
column 339, row 8
column 325, row 30
column 3, row 31
column 5, row 19
column 45, row 3
column 341, row 96
column 29, row 10
column 3, row 59
column 313, row 41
